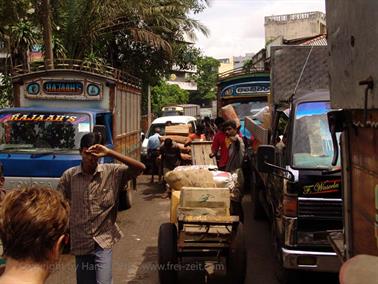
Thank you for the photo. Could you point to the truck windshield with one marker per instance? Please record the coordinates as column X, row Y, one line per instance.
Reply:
column 248, row 109
column 312, row 142
column 42, row 131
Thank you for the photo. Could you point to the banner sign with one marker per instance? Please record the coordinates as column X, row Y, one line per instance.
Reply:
column 63, row 87
column 43, row 117
column 246, row 89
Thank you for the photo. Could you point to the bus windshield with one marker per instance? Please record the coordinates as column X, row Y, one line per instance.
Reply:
column 312, row 142
column 42, row 131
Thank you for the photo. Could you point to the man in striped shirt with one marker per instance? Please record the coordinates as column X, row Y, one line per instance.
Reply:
column 92, row 190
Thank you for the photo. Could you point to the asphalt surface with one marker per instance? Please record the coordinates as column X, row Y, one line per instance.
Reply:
column 135, row 256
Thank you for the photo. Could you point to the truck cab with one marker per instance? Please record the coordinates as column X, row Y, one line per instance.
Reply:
column 297, row 186
column 38, row 144
column 40, row 137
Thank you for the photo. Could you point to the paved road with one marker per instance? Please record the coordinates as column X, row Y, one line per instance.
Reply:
column 135, row 256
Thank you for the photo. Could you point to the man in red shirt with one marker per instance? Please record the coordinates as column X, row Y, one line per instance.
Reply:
column 220, row 145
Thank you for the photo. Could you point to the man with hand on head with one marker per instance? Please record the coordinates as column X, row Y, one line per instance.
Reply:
column 92, row 190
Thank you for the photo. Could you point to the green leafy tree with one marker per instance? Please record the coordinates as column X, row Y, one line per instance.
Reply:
column 143, row 37
column 6, row 94
column 164, row 94
column 206, row 79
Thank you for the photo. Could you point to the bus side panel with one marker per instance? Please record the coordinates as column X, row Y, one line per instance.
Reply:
column 364, row 180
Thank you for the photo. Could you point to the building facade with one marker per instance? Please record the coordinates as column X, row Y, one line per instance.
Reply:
column 294, row 26
column 231, row 63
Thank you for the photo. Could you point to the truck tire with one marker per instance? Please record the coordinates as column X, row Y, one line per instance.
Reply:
column 129, row 197
column 167, row 253
column 237, row 258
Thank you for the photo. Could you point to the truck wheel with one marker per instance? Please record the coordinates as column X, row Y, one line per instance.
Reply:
column 167, row 253
column 257, row 208
column 237, row 258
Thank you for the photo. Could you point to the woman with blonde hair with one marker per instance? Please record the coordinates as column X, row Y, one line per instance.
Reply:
column 33, row 227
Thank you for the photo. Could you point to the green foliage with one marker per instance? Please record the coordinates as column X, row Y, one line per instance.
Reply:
column 206, row 79
column 164, row 94
column 6, row 91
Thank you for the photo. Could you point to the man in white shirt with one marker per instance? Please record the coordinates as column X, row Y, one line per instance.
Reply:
column 153, row 152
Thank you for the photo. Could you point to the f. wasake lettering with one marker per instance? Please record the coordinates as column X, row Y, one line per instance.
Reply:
column 323, row 187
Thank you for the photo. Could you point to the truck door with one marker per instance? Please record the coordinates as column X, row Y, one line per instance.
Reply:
column 275, row 183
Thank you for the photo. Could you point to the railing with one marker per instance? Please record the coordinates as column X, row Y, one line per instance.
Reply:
column 79, row 65
column 294, row 17
column 241, row 71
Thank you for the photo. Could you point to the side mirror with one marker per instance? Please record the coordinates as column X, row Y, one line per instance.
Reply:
column 336, row 120
column 101, row 130
column 265, row 158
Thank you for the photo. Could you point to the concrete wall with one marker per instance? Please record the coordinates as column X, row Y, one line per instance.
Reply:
column 294, row 26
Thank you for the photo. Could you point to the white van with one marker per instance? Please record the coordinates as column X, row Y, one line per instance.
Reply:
column 161, row 122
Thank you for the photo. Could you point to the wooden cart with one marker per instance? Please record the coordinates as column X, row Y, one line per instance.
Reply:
column 203, row 228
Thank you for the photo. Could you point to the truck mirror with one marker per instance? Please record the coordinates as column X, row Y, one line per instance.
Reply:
column 336, row 121
column 265, row 157
column 101, row 130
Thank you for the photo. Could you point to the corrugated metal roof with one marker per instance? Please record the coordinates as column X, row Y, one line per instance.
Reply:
column 317, row 41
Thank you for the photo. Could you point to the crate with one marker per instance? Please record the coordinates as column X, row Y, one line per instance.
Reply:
column 200, row 153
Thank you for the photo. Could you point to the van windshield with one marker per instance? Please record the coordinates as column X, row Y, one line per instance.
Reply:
column 312, row 142
column 42, row 131
column 151, row 130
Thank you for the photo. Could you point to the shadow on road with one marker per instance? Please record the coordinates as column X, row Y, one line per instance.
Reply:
column 152, row 191
column 191, row 271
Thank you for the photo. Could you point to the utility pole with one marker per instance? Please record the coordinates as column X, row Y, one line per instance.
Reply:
column 47, row 34
column 149, row 105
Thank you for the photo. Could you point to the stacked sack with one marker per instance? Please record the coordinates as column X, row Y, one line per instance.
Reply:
column 206, row 177
column 179, row 134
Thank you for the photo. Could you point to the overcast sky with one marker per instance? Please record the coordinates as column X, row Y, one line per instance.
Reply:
column 237, row 26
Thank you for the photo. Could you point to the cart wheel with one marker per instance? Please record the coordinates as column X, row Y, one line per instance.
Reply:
column 237, row 257
column 167, row 253
column 129, row 195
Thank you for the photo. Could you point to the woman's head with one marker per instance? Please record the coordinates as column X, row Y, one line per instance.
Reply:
column 33, row 224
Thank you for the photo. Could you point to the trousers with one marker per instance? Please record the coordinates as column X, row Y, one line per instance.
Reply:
column 94, row 268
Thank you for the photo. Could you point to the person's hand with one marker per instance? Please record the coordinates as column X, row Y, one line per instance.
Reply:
column 211, row 155
column 98, row 150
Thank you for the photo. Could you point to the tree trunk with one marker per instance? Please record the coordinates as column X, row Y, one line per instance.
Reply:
column 47, row 34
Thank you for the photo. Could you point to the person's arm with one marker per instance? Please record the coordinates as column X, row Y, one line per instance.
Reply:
column 102, row 151
column 188, row 141
column 214, row 146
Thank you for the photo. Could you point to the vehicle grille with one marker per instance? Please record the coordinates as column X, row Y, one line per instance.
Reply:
column 310, row 208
